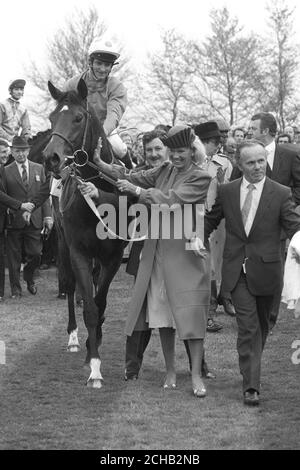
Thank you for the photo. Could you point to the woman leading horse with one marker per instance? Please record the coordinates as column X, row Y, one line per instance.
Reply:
column 172, row 287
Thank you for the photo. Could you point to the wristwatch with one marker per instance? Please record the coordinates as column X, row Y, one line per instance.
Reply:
column 137, row 190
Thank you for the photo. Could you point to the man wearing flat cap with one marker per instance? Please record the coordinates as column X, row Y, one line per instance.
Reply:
column 14, row 119
column 219, row 168
column 22, row 180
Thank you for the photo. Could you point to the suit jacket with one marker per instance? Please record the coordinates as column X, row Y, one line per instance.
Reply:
column 15, row 188
column 5, row 202
column 286, row 169
column 261, row 248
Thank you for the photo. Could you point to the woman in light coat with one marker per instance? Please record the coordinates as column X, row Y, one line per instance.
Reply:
column 172, row 288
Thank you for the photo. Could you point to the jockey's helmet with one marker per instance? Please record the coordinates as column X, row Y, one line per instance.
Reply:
column 103, row 49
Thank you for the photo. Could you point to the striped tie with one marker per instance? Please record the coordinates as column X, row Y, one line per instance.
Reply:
column 24, row 175
column 247, row 203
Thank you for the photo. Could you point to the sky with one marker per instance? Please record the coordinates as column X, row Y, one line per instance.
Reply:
column 27, row 25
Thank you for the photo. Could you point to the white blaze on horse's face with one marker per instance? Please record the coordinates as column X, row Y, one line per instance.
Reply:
column 64, row 108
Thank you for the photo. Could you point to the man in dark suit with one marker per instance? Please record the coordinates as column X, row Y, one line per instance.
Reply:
column 283, row 159
column 6, row 201
column 22, row 180
column 283, row 166
column 256, row 209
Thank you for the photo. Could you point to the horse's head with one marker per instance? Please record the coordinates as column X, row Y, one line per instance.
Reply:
column 71, row 124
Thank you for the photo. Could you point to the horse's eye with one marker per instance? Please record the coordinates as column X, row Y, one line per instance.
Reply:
column 78, row 117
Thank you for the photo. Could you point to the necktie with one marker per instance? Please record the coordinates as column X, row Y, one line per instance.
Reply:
column 24, row 175
column 247, row 203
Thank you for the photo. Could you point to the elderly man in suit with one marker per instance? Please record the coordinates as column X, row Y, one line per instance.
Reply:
column 22, row 180
column 256, row 209
column 6, row 201
column 283, row 166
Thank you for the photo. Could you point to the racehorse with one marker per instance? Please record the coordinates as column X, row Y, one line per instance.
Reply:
column 75, row 134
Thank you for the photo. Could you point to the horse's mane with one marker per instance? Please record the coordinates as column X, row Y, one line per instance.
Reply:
column 39, row 136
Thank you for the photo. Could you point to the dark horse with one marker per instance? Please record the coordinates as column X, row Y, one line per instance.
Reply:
column 75, row 132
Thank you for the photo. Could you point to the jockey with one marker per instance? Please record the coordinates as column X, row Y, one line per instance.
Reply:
column 14, row 119
column 106, row 94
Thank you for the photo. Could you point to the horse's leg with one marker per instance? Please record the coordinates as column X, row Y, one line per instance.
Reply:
column 107, row 273
column 82, row 268
column 96, row 272
column 66, row 278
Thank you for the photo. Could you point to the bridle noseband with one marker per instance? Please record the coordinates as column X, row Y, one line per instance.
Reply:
column 80, row 157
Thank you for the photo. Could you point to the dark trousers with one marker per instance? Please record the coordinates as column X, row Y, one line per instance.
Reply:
column 253, row 317
column 30, row 239
column 136, row 345
column 49, row 250
column 2, row 263
column 215, row 297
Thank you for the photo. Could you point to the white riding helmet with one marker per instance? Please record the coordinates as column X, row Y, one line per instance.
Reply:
column 103, row 49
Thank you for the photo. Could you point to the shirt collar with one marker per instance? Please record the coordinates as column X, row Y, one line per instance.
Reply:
column 25, row 163
column 13, row 100
column 271, row 147
column 258, row 185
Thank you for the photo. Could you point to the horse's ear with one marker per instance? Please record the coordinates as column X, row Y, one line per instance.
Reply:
column 54, row 92
column 82, row 89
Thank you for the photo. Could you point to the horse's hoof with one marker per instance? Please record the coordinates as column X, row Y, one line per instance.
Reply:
column 73, row 349
column 94, row 383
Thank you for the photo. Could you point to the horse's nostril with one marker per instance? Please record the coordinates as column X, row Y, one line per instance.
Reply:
column 53, row 161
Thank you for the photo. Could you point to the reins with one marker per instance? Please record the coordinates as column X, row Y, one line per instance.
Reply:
column 80, row 159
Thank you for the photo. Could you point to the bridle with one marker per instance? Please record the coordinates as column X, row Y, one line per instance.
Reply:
column 80, row 159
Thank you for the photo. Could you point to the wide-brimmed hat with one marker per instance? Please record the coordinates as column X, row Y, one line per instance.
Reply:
column 207, row 130
column 19, row 143
column 178, row 136
column 18, row 83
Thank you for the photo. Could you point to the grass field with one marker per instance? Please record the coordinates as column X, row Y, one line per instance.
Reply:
column 46, row 405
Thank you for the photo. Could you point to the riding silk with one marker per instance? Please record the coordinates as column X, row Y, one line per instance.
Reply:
column 109, row 100
column 13, row 117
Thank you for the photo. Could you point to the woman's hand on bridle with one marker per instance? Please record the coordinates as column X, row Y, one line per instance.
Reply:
column 125, row 186
column 88, row 189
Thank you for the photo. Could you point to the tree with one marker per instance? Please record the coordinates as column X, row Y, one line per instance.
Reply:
column 281, row 64
column 163, row 87
column 227, row 68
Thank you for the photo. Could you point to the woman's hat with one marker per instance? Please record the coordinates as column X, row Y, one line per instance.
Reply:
column 179, row 136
